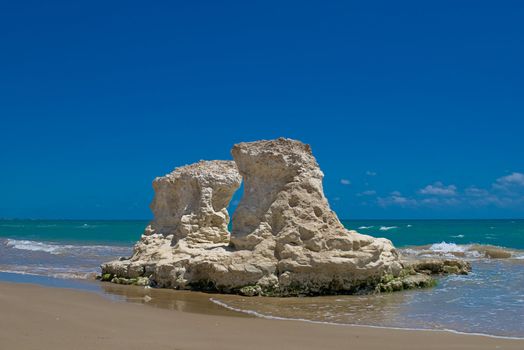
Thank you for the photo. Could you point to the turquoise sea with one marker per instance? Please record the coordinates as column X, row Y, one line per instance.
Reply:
column 489, row 301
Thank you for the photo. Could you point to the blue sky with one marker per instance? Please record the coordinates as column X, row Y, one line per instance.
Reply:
column 414, row 109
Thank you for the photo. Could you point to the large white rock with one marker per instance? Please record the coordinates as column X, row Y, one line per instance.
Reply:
column 284, row 212
column 285, row 240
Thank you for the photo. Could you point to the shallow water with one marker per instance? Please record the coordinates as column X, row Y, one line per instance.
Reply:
column 56, row 259
column 490, row 300
column 485, row 301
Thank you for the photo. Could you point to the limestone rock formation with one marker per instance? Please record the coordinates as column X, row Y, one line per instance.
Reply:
column 285, row 239
column 189, row 207
column 284, row 213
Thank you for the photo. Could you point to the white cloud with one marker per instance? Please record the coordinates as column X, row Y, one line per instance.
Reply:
column 510, row 182
column 488, row 200
column 367, row 193
column 412, row 202
column 371, row 173
column 397, row 200
column 439, row 189
column 476, row 192
column 440, row 202
column 345, row 182
column 505, row 192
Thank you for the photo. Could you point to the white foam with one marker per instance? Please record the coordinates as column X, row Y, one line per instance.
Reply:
column 32, row 246
column 409, row 251
column 365, row 227
column 87, row 226
column 66, row 249
column 458, row 236
column 444, row 247
column 49, row 272
column 451, row 250
column 387, row 228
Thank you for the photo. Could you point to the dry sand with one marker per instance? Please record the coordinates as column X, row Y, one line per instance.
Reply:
column 34, row 317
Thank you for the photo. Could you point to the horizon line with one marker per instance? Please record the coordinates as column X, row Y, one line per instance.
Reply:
column 353, row 219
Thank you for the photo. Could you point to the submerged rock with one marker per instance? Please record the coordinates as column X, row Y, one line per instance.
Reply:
column 285, row 239
column 438, row 266
column 493, row 252
column 419, row 273
column 405, row 281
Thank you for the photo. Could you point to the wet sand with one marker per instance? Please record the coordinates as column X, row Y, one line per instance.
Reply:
column 35, row 317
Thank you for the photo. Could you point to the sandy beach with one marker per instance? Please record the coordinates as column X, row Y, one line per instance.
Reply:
column 35, row 317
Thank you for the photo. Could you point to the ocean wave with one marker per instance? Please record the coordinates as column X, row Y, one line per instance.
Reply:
column 387, row 228
column 457, row 236
column 62, row 273
column 444, row 247
column 65, row 249
column 86, row 226
column 365, row 227
column 467, row 251
column 32, row 246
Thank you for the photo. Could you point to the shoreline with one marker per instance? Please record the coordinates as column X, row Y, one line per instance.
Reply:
column 204, row 301
column 28, row 310
column 276, row 318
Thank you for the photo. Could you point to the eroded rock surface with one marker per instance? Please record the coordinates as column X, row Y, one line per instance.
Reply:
column 189, row 208
column 285, row 238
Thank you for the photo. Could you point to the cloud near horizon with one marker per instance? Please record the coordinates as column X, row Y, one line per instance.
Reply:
column 510, row 182
column 439, row 189
column 505, row 192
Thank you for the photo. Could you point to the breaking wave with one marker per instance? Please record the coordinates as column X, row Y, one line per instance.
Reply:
column 63, row 273
column 64, row 249
column 56, row 259
column 387, row 228
column 467, row 251
column 444, row 247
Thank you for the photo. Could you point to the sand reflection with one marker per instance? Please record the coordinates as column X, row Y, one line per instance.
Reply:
column 184, row 301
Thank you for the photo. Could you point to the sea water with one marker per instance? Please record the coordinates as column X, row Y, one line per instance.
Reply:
column 490, row 300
